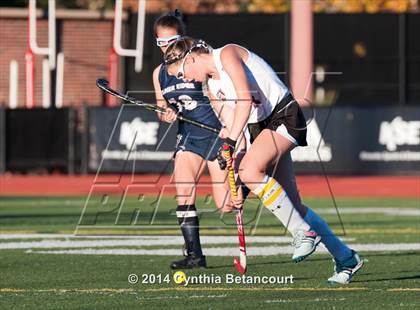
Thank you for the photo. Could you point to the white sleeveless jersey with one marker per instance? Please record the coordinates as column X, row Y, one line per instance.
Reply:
column 266, row 88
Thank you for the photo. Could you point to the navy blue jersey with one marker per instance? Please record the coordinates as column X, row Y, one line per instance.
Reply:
column 188, row 99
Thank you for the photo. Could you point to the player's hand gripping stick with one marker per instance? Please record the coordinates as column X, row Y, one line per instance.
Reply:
column 240, row 264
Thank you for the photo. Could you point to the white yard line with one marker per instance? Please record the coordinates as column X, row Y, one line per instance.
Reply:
column 225, row 251
column 33, row 236
column 299, row 300
column 138, row 241
column 383, row 211
column 181, row 297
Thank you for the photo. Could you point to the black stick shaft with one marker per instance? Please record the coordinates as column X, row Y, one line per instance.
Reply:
column 103, row 84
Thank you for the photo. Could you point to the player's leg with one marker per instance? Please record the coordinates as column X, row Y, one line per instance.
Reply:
column 347, row 261
column 220, row 186
column 188, row 168
column 265, row 150
column 268, row 147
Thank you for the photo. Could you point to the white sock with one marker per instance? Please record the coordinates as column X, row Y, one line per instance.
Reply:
column 276, row 200
column 334, row 245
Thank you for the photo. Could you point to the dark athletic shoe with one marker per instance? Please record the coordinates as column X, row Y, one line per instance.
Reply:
column 189, row 262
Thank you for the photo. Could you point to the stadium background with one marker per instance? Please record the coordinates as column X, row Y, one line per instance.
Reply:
column 362, row 166
column 366, row 86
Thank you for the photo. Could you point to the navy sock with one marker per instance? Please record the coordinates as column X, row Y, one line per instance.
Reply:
column 188, row 220
column 334, row 245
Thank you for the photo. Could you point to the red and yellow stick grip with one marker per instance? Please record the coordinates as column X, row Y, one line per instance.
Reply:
column 231, row 173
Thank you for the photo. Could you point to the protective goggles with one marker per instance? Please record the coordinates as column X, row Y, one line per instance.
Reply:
column 165, row 41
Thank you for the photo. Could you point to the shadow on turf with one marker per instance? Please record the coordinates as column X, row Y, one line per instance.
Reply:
column 389, row 279
column 269, row 263
column 417, row 276
column 393, row 254
column 315, row 260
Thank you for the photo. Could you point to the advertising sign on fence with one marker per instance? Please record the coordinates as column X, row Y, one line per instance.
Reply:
column 127, row 139
column 341, row 140
column 357, row 140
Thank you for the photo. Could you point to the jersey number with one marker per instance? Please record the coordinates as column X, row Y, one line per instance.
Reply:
column 184, row 102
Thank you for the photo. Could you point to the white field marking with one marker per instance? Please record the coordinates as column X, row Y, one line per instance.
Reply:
column 132, row 241
column 384, row 211
column 183, row 288
column 183, row 297
column 34, row 236
column 225, row 251
column 70, row 290
column 166, row 289
column 162, row 238
column 268, row 289
column 71, row 236
column 402, row 289
column 140, row 241
column 303, row 300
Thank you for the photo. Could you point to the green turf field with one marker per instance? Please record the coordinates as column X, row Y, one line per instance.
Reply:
column 50, row 271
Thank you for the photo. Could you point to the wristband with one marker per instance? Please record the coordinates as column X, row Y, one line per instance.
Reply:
column 230, row 142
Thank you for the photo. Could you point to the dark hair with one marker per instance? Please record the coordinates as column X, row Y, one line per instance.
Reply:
column 171, row 20
column 178, row 49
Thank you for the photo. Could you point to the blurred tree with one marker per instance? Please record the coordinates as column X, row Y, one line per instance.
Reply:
column 271, row 6
column 95, row 4
column 189, row 6
column 234, row 6
column 366, row 6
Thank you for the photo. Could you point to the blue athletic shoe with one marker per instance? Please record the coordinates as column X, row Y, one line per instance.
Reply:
column 344, row 271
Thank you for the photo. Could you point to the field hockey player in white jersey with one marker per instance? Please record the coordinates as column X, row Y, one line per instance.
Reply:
column 275, row 125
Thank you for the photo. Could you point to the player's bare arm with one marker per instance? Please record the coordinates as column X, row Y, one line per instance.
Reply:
column 233, row 64
column 170, row 115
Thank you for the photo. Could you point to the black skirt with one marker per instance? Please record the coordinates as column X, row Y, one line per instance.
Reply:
column 288, row 113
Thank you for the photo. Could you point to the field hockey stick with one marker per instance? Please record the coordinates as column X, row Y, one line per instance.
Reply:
column 104, row 85
column 240, row 264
